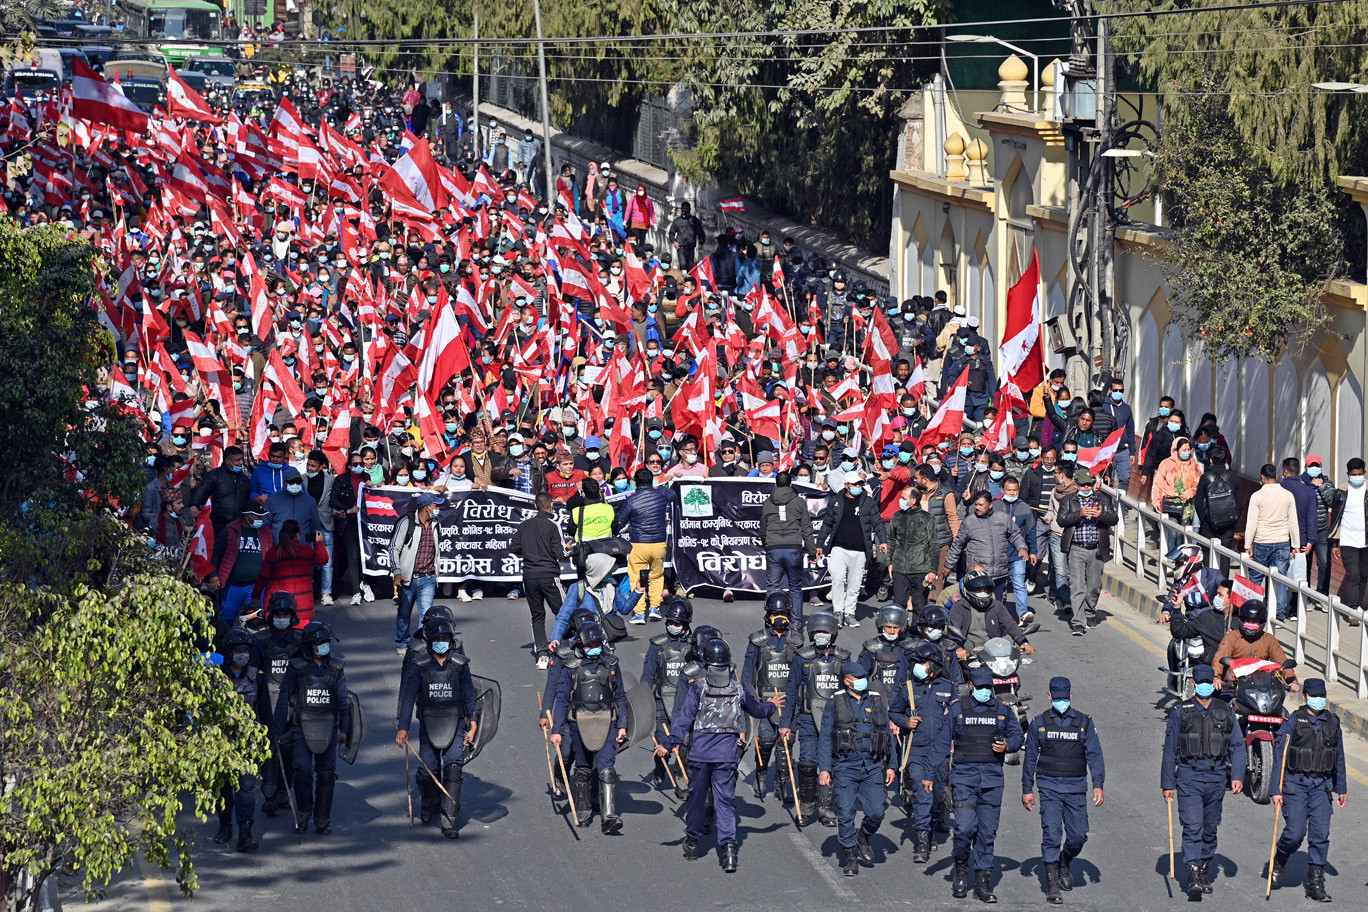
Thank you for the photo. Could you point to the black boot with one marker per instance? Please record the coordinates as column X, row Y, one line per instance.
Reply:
column 1052, row 894
column 766, row 750
column 959, row 887
column 323, row 801
column 608, row 800
column 1279, row 859
column 660, row 778
column 1194, row 880
column 1315, row 884
column 1065, row 872
column 583, row 796
column 807, row 791
column 427, row 798
column 690, row 848
column 862, row 847
column 851, row 861
column 921, row 848
column 225, row 830
column 728, row 856
column 304, row 796
column 453, row 775
column 245, row 841
column 783, row 785
column 1205, row 872
column 983, row 887
column 826, row 805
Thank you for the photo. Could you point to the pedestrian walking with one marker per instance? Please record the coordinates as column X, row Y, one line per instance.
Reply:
column 541, row 545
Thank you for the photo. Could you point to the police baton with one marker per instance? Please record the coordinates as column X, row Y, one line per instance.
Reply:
column 907, row 745
column 569, row 792
column 408, row 790
column 667, row 766
column 1169, row 802
column 683, row 772
column 409, row 747
column 285, row 780
column 1272, row 849
column 793, row 780
column 546, row 739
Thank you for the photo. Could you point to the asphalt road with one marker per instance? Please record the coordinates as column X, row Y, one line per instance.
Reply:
column 517, row 850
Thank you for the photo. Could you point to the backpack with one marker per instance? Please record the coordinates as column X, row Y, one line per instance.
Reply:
column 1223, row 509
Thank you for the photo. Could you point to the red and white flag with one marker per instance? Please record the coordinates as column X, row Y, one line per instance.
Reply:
column 447, row 354
column 183, row 101
column 1020, row 355
column 1099, row 458
column 948, row 422
column 732, row 204
column 416, row 171
column 201, row 545
column 1242, row 589
column 99, row 102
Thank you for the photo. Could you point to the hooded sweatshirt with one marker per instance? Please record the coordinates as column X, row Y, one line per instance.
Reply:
column 1176, row 477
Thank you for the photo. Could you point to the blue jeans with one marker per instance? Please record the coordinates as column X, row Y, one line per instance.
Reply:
column 786, row 564
column 233, row 600
column 1018, row 571
column 421, row 590
column 1121, row 465
column 327, row 570
column 1059, row 570
column 1277, row 555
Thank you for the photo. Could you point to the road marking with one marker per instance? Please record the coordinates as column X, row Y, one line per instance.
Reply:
column 822, row 867
column 158, row 898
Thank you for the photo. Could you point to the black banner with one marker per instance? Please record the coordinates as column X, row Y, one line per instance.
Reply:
column 716, row 533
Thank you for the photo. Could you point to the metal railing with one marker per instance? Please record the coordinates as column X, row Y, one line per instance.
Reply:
column 1336, row 612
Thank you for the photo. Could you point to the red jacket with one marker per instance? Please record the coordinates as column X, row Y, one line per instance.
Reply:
column 292, row 574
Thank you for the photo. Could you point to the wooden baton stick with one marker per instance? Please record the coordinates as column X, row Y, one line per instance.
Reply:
column 546, row 739
column 793, row 780
column 683, row 772
column 907, row 745
column 1272, row 849
column 569, row 792
column 667, row 766
column 438, row 782
column 1169, row 802
column 408, row 790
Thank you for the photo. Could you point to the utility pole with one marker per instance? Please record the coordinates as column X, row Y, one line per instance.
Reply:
column 545, row 104
column 1106, row 193
column 475, row 111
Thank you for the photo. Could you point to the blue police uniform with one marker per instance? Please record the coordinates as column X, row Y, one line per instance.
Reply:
column 856, row 750
column 1202, row 746
column 590, row 686
column 666, row 658
column 1313, row 743
column 976, row 779
column 1062, row 748
column 814, row 679
column 444, row 692
column 712, row 718
column 605, row 757
column 769, row 660
column 314, row 706
column 930, row 702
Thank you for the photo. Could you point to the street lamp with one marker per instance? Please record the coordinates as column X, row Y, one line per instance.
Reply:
column 989, row 39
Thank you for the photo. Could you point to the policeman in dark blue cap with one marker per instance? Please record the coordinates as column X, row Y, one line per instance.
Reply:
column 1061, row 749
column 1203, row 744
column 983, row 731
column 919, row 709
column 855, row 757
column 1313, row 742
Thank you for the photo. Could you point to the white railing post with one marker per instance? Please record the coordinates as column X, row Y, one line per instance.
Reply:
column 1331, row 643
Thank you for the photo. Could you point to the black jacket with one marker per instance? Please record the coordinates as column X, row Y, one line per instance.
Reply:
column 538, row 542
column 1070, row 514
column 866, row 508
column 1001, row 622
column 231, row 491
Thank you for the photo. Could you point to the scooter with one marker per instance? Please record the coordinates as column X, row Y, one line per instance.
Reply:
column 1002, row 657
column 1258, row 703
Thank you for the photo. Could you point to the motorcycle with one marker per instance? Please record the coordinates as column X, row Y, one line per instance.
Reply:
column 1258, row 703
column 1191, row 652
column 1002, row 657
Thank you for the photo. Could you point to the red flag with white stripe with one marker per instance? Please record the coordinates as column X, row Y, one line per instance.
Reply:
column 948, row 422
column 99, row 102
column 1242, row 589
column 183, row 101
column 1099, row 458
column 1020, row 355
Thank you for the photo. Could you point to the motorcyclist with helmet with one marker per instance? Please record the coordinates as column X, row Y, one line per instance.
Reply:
column 666, row 657
column 1250, row 639
column 769, row 658
column 314, row 707
column 1200, row 614
column 977, row 615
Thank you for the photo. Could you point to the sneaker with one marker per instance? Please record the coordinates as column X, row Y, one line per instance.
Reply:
column 477, row 594
column 637, row 619
column 327, row 599
column 462, row 595
column 850, row 620
column 542, row 663
column 514, row 595
column 356, row 599
column 367, row 593
column 1028, row 617
column 655, row 615
column 1079, row 631
column 728, row 596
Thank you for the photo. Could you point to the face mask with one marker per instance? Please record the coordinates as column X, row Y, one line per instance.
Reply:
column 294, row 488
column 1064, row 403
column 1315, row 704
column 517, row 449
column 690, row 458
column 853, row 487
column 323, row 650
column 179, row 440
column 1219, row 603
column 904, row 458
column 674, row 630
column 921, row 672
column 280, row 623
column 151, row 460
column 847, row 464
column 860, row 685
column 996, row 475
column 451, row 427
column 1069, row 457
column 652, row 353
column 621, row 484
column 440, row 647
column 1174, row 427
column 1010, row 498
column 654, row 434
column 828, row 435
column 568, row 432
column 888, row 637
column 934, row 633
column 983, row 694
column 1035, row 452
column 1205, row 689
column 1164, row 411
column 909, row 412
column 664, row 451
column 842, row 429
column 312, row 474
column 889, row 463
column 1117, row 395
column 419, row 474
column 402, row 479
column 357, row 470
column 966, row 451
column 1313, row 471
column 980, row 467
column 1356, row 480
column 595, row 651
column 1251, row 628
column 821, row 640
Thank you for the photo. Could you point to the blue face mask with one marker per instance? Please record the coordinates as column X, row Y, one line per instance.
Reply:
column 860, row 685
column 596, row 651
column 1164, row 411
column 621, row 484
column 152, row 460
column 1185, row 456
column 324, row 649
column 440, row 647
column 983, row 694
column 280, row 623
column 996, row 475
column 1035, row 452
column 966, row 451
column 889, row 463
column 1117, row 395
column 258, row 523
column 848, row 465
column 1061, row 706
column 904, row 458
column 1174, row 427
column 654, row 434
column 1204, row 447
column 1315, row 704
column 1205, row 689
column 238, row 468
column 1313, row 471
column 919, row 672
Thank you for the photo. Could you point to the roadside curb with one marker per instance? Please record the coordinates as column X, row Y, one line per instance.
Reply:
column 1139, row 595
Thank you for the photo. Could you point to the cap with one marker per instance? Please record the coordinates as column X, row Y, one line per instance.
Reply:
column 253, row 510
column 851, row 452
column 890, row 449
column 427, row 499
column 972, row 322
column 1083, row 477
column 1060, row 688
column 1202, row 674
column 1021, row 443
column 591, row 442
column 852, row 667
column 981, row 676
column 764, row 457
column 292, row 474
column 1313, row 459
column 1313, row 687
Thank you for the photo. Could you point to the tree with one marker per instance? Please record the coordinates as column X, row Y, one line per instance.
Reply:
column 109, row 714
column 1250, row 255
